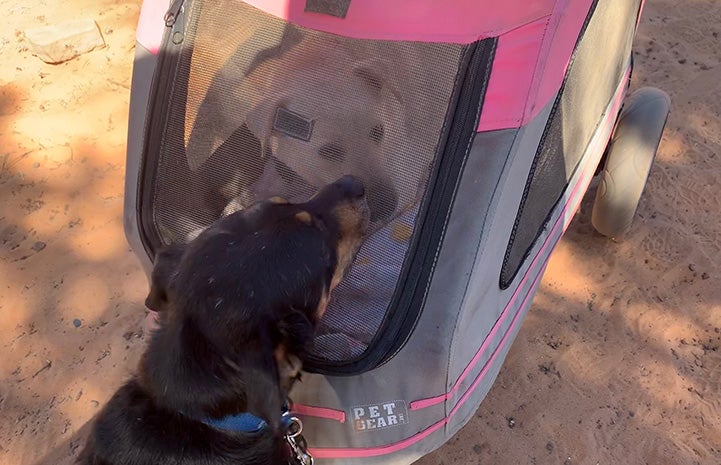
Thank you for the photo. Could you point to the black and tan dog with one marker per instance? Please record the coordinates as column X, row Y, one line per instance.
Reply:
column 237, row 306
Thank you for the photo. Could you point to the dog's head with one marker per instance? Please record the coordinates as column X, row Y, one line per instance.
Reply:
column 335, row 115
column 241, row 301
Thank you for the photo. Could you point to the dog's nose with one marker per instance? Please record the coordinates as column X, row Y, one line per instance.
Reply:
column 351, row 186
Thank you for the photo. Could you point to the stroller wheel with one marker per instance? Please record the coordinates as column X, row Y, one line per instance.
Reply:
column 630, row 155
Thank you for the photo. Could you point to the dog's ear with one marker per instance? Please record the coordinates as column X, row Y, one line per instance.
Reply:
column 296, row 331
column 378, row 76
column 166, row 265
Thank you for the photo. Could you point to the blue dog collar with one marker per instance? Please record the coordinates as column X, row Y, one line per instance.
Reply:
column 243, row 423
column 249, row 423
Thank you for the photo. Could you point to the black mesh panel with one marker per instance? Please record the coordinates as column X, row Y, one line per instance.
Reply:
column 259, row 108
column 599, row 64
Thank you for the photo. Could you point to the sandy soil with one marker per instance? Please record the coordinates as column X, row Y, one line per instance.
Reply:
column 618, row 361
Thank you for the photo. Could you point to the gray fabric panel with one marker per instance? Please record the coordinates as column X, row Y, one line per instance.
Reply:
column 484, row 300
column 143, row 70
column 596, row 74
column 525, row 283
column 420, row 369
column 427, row 351
column 457, row 258
column 454, row 322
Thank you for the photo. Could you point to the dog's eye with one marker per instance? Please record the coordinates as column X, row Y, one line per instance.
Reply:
column 376, row 134
column 332, row 152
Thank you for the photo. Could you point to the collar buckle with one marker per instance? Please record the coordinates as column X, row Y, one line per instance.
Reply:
column 296, row 441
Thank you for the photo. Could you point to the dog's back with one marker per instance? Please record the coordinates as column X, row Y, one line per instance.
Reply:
column 131, row 429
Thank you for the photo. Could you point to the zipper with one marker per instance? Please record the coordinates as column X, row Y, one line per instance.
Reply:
column 405, row 309
column 156, row 121
column 173, row 11
column 174, row 20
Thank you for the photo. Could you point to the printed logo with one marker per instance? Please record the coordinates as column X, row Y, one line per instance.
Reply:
column 378, row 416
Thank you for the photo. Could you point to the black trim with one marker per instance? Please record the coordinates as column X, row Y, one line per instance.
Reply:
column 405, row 309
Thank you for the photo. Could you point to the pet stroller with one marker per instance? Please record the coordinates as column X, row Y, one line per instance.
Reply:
column 477, row 127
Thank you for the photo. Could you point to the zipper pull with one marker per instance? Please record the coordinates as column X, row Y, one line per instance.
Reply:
column 171, row 15
column 174, row 20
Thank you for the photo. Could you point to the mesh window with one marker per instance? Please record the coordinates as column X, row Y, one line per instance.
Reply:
column 598, row 66
column 259, row 107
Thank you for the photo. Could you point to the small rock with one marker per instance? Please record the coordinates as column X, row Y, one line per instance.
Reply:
column 65, row 41
column 77, row 322
column 549, row 447
column 511, row 422
column 704, row 276
column 38, row 246
column 691, row 267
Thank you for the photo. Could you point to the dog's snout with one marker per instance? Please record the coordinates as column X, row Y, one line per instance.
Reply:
column 351, row 186
column 333, row 152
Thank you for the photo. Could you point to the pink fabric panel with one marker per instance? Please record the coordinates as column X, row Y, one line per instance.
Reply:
column 530, row 65
column 565, row 26
column 322, row 453
column 516, row 59
column 460, row 21
column 319, row 412
column 533, row 52
column 151, row 24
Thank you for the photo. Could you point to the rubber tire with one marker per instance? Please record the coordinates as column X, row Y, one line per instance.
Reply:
column 630, row 155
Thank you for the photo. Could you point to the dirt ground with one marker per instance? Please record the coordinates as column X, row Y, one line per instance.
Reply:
column 618, row 361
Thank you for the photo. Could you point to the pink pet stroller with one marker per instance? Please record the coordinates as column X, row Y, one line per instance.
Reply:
column 476, row 126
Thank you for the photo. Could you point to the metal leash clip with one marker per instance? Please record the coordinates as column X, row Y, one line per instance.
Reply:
column 296, row 441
